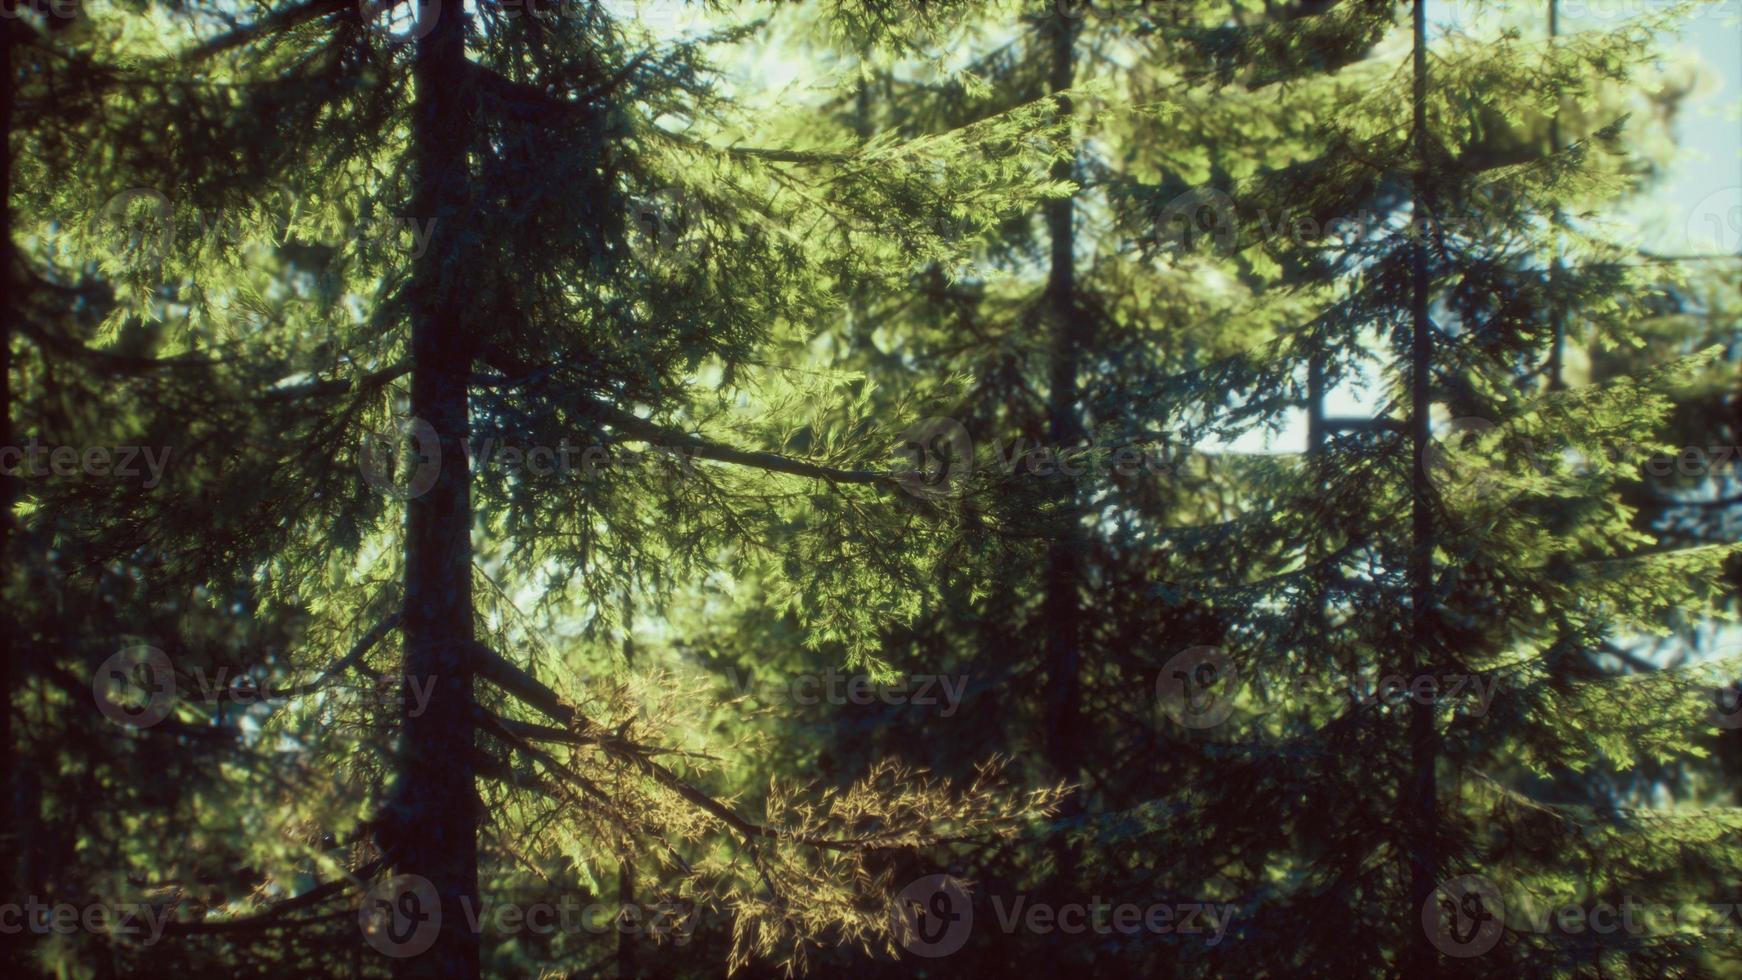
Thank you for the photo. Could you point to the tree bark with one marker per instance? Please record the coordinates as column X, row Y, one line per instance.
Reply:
column 12, row 835
column 626, row 969
column 1060, row 607
column 434, row 834
column 1419, row 792
column 1556, row 368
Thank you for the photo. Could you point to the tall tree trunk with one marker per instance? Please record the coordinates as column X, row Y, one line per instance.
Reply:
column 1060, row 606
column 1315, row 406
column 1420, row 795
column 12, row 834
column 435, row 834
column 626, row 866
column 1555, row 368
column 20, row 864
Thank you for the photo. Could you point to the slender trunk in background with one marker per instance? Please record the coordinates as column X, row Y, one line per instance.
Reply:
column 436, row 823
column 1557, row 313
column 11, row 285
column 1060, row 607
column 626, row 867
column 1419, row 797
column 1315, row 403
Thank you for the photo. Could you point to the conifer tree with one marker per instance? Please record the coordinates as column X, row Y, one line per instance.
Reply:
column 73, row 441
column 1306, row 580
column 550, row 343
column 596, row 260
column 1472, row 533
column 1064, row 336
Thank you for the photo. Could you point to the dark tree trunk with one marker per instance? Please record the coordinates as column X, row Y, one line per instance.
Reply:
column 436, row 819
column 1060, row 606
column 626, row 868
column 1555, row 369
column 12, row 835
column 19, row 838
column 1419, row 802
column 1315, row 406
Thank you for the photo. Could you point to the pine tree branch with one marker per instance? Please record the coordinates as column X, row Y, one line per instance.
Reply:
column 273, row 916
column 515, row 373
column 272, row 23
column 640, row 756
column 535, row 693
column 321, row 389
column 351, row 659
column 661, row 435
column 514, row 679
column 124, row 363
column 810, row 158
column 1339, row 423
column 550, row 97
column 534, row 732
column 499, row 727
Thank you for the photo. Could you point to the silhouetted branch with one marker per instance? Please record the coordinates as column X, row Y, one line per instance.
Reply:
column 273, row 915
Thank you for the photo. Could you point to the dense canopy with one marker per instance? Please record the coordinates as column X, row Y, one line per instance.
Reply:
column 535, row 488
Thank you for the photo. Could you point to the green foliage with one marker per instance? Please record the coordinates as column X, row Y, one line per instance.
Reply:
column 709, row 312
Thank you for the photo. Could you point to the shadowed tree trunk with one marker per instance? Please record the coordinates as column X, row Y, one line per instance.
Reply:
column 436, row 819
column 1556, row 369
column 11, row 836
column 1419, row 798
column 1060, row 606
column 626, row 869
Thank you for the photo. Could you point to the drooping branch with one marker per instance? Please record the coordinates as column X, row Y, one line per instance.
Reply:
column 510, row 677
column 641, row 428
column 278, row 20
column 535, row 693
column 1340, row 423
column 516, row 373
column 340, row 386
column 550, row 99
column 639, row 756
column 534, row 732
column 501, row 729
column 125, row 363
column 353, row 658
column 813, row 158
column 273, row 916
